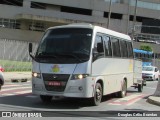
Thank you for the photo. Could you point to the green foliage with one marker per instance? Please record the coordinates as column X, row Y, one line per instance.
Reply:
column 11, row 66
column 146, row 47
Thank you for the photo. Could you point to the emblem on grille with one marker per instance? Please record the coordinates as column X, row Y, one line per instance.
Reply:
column 54, row 76
column 55, row 68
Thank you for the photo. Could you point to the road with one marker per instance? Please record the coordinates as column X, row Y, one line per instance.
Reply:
column 18, row 97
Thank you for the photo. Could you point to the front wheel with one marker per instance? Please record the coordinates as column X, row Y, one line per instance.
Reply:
column 157, row 79
column 46, row 98
column 96, row 100
column 154, row 78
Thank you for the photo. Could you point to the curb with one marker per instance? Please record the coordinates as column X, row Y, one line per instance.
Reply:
column 18, row 80
column 152, row 101
column 17, row 76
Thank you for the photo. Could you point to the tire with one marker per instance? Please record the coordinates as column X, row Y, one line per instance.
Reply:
column 157, row 79
column 46, row 99
column 140, row 87
column 154, row 78
column 1, row 82
column 123, row 92
column 96, row 100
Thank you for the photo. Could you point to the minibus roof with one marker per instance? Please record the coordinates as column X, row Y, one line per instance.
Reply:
column 97, row 28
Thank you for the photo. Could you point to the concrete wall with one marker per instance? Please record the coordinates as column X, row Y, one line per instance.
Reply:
column 23, row 35
column 53, row 16
column 98, row 8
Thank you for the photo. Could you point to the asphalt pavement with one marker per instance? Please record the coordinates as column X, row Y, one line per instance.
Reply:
column 10, row 76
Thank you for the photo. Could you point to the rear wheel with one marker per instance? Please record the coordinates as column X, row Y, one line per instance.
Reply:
column 96, row 100
column 123, row 92
column 140, row 87
column 45, row 98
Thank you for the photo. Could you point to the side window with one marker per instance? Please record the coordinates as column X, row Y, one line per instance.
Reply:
column 137, row 55
column 130, row 49
column 124, row 51
column 107, row 46
column 98, row 40
column 115, row 47
column 156, row 55
column 98, row 52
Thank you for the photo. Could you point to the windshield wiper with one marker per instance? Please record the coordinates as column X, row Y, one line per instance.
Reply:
column 71, row 55
column 44, row 55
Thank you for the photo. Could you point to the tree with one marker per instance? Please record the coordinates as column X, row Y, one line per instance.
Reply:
column 146, row 48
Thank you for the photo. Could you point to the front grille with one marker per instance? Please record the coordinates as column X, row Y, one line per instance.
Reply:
column 147, row 77
column 60, row 78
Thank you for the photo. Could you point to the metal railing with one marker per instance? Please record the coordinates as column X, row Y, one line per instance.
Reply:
column 14, row 55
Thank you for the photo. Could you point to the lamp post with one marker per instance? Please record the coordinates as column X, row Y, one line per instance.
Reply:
column 109, row 14
column 128, row 16
column 134, row 20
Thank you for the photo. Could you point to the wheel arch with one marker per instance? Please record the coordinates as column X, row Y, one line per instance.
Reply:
column 125, row 79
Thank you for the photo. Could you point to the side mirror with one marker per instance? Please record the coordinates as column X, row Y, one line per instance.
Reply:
column 100, row 47
column 30, row 47
column 30, row 51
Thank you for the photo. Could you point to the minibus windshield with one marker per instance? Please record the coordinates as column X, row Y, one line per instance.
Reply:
column 65, row 45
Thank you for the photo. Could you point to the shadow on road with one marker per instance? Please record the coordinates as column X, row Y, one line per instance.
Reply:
column 65, row 103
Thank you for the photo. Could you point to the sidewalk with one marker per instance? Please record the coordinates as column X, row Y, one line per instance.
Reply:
column 154, row 100
column 8, row 76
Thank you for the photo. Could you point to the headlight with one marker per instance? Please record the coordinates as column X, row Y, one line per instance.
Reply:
column 79, row 76
column 36, row 75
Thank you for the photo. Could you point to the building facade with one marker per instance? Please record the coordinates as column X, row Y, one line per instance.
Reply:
column 27, row 19
column 24, row 21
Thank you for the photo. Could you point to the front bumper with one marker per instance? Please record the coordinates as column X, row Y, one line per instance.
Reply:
column 74, row 88
column 148, row 77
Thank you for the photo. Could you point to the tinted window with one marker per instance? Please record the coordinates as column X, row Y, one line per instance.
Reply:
column 67, row 45
column 98, row 40
column 148, row 69
column 124, row 51
column 115, row 47
column 96, row 54
column 156, row 69
column 107, row 45
column 130, row 49
column 137, row 55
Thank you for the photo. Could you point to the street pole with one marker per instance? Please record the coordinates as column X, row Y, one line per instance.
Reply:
column 109, row 14
column 128, row 16
column 134, row 20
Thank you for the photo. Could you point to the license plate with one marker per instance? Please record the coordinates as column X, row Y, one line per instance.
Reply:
column 54, row 83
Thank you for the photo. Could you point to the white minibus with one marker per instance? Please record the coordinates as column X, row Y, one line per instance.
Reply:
column 83, row 61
